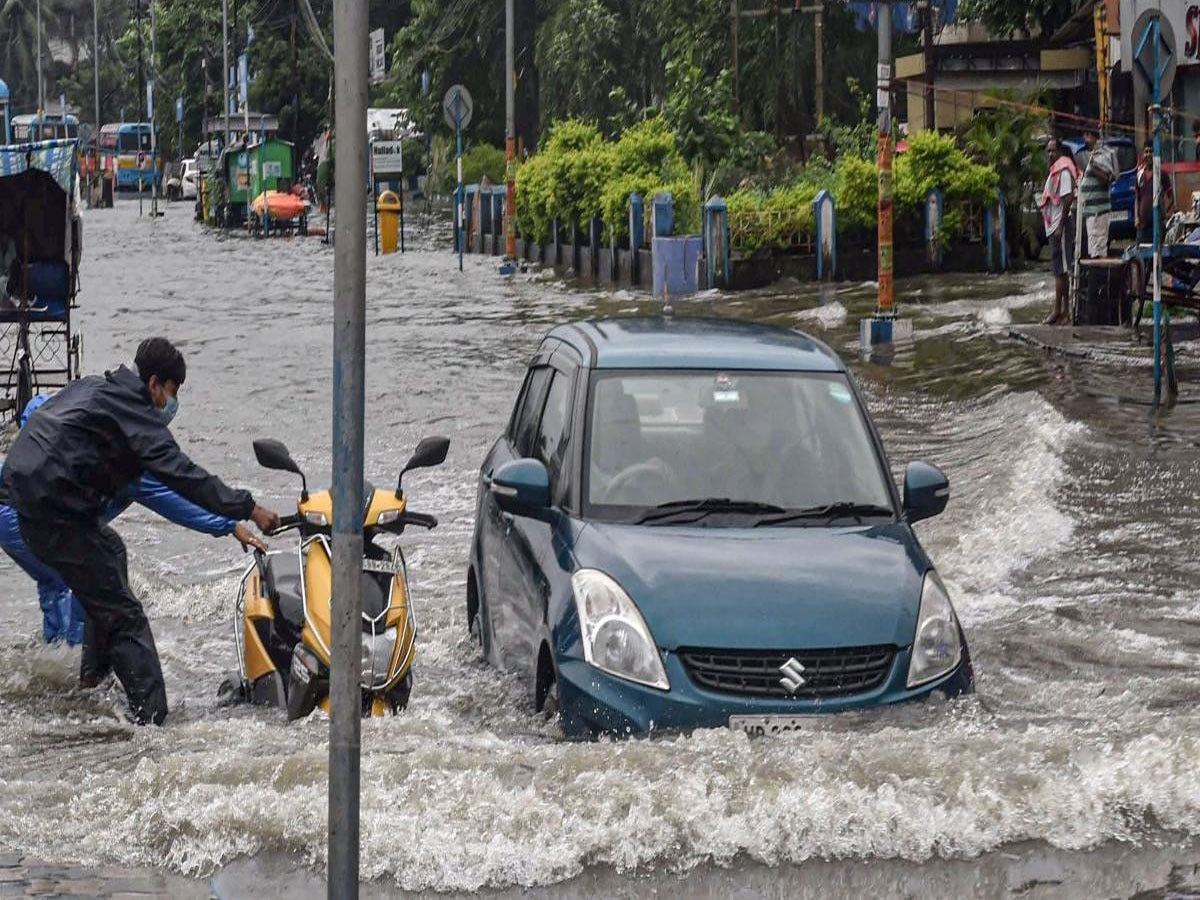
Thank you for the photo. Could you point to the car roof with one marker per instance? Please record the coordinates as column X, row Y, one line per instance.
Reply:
column 668, row 342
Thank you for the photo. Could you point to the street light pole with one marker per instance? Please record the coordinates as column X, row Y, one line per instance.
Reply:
column 884, row 308
column 349, row 365
column 225, row 66
column 510, row 140
column 41, row 83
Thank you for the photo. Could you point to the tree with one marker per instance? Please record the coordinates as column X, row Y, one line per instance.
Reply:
column 1005, row 18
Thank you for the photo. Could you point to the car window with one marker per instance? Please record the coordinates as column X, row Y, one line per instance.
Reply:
column 794, row 440
column 551, row 443
column 529, row 410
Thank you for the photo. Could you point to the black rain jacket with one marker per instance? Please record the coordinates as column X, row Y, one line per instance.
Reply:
column 92, row 439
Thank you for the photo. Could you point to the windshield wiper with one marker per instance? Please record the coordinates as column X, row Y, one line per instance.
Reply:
column 829, row 512
column 705, row 507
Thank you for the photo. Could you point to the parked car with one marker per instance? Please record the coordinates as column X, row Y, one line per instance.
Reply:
column 692, row 523
column 1121, row 191
column 181, row 180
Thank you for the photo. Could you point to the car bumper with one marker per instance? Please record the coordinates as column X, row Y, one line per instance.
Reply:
column 594, row 702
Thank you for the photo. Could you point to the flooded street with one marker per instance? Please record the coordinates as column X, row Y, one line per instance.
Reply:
column 1068, row 549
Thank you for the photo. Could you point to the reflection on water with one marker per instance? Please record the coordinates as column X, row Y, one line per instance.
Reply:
column 1067, row 547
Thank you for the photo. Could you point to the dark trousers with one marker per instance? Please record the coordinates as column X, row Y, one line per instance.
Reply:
column 91, row 560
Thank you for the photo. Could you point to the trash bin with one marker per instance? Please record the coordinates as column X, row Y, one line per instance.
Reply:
column 106, row 190
column 388, row 207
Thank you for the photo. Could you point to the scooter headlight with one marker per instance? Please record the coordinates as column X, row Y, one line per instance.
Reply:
column 377, row 656
column 937, row 645
column 388, row 516
column 316, row 518
column 615, row 636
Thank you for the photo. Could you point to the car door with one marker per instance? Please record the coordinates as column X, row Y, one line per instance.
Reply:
column 528, row 545
column 495, row 524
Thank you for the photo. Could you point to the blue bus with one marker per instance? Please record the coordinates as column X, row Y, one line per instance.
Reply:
column 125, row 151
column 30, row 127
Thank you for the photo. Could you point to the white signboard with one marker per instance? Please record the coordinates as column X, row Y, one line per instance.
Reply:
column 377, row 55
column 387, row 158
column 1184, row 16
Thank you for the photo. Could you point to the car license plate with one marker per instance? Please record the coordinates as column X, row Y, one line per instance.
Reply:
column 382, row 566
column 759, row 725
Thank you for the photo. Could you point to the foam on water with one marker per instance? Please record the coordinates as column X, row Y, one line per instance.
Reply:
column 1078, row 605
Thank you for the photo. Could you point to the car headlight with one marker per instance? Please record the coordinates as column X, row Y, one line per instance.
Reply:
column 937, row 646
column 615, row 636
column 377, row 656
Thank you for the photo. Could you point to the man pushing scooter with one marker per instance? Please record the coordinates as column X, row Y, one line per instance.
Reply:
column 69, row 464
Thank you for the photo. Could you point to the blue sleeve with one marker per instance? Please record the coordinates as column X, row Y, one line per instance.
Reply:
column 157, row 497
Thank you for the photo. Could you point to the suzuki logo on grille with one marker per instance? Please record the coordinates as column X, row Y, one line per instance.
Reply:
column 793, row 676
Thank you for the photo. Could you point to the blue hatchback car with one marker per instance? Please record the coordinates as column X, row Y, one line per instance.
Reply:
column 692, row 523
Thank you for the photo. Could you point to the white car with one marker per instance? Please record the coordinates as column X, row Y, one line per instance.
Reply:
column 182, row 183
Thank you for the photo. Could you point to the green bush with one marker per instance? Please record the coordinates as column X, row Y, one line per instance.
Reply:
column 479, row 161
column 856, row 193
column 564, row 180
column 935, row 161
column 646, row 161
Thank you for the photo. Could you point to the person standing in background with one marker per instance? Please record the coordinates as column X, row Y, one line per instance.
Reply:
column 1095, row 205
column 1056, row 203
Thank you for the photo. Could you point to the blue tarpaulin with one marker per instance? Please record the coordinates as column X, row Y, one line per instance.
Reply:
column 905, row 17
column 54, row 157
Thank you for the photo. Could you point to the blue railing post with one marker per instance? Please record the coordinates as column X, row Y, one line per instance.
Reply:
column 935, row 211
column 662, row 215
column 716, row 242
column 825, row 220
column 637, row 236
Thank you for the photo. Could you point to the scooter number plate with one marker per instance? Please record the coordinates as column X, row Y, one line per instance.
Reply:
column 382, row 566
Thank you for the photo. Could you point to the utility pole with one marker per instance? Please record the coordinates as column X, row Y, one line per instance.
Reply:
column 94, row 167
column 349, row 365
column 40, row 80
column 819, row 57
column 885, row 309
column 225, row 66
column 927, row 50
column 141, row 90
column 154, row 162
column 510, row 135
column 735, row 15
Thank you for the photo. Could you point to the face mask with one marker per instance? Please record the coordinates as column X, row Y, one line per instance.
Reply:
column 168, row 411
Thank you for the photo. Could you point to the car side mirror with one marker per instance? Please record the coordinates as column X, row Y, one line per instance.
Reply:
column 926, row 491
column 522, row 487
column 431, row 451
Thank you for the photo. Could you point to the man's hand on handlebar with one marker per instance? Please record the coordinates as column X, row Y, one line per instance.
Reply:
column 266, row 520
column 246, row 538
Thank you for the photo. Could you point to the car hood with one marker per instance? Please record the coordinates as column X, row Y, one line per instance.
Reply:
column 766, row 588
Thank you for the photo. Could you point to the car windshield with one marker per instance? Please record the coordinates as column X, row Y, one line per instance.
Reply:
column 771, row 442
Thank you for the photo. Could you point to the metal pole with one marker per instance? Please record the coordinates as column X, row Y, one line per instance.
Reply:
column 94, row 168
column 349, row 364
column 885, row 306
column 40, row 81
column 927, row 51
column 819, row 61
column 141, row 88
column 225, row 64
column 735, row 14
column 461, row 206
column 1157, row 276
column 510, row 130
column 153, row 135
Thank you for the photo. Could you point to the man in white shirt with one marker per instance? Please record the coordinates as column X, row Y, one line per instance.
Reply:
column 1056, row 202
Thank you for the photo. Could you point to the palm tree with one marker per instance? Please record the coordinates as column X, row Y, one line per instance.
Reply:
column 18, row 49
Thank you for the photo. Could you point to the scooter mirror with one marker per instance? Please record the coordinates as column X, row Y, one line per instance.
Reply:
column 272, row 454
column 431, row 451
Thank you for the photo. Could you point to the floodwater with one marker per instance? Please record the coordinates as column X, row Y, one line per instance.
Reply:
column 1068, row 549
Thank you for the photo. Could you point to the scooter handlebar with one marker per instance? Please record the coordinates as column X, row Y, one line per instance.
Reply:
column 421, row 519
column 286, row 523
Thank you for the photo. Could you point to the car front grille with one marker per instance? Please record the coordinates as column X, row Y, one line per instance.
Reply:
column 839, row 672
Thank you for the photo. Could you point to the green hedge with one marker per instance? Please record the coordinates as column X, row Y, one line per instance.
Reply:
column 772, row 219
column 577, row 175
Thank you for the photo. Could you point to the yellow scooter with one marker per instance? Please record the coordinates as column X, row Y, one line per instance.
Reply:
column 282, row 625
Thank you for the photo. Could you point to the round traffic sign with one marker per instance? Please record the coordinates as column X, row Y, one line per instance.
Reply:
column 458, row 106
column 1146, row 60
